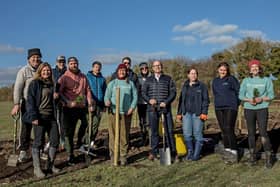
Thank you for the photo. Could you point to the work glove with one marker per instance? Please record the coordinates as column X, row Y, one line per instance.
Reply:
column 203, row 117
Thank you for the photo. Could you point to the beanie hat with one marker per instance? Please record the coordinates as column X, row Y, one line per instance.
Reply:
column 254, row 62
column 96, row 62
column 34, row 51
column 121, row 66
column 143, row 64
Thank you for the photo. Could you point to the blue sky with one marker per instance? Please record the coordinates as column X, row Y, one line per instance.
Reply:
column 107, row 30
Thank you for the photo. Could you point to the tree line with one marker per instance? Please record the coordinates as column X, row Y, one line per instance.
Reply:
column 268, row 52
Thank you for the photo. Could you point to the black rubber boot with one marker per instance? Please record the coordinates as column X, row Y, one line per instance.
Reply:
column 268, row 160
column 253, row 158
column 50, row 164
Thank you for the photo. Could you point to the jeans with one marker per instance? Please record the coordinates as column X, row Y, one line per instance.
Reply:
column 227, row 119
column 192, row 127
column 154, row 117
column 252, row 117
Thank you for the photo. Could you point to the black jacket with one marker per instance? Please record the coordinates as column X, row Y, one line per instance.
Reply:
column 163, row 90
column 33, row 101
column 200, row 100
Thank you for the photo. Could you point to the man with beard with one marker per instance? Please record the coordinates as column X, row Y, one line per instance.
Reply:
column 75, row 92
column 24, row 77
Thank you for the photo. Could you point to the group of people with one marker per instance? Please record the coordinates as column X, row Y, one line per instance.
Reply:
column 53, row 100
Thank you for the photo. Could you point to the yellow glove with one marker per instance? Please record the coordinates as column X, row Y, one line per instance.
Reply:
column 203, row 117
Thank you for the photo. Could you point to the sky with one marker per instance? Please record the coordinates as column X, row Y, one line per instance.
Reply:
column 107, row 30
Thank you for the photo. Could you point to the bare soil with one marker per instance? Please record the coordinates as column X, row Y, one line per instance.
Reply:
column 23, row 171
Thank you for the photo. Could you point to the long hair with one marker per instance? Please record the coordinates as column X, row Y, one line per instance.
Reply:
column 37, row 75
column 196, row 71
column 226, row 65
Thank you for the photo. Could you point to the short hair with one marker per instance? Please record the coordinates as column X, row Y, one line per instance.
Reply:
column 126, row 58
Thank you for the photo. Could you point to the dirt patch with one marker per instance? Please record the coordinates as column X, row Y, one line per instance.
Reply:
column 137, row 152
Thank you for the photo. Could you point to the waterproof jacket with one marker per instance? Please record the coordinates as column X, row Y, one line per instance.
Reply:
column 57, row 73
column 97, row 84
column 196, row 100
column 141, row 80
column 34, row 100
column 162, row 90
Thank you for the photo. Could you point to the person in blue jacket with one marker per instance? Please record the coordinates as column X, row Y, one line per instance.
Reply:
column 193, row 109
column 40, row 113
column 225, row 89
column 256, row 92
column 97, row 84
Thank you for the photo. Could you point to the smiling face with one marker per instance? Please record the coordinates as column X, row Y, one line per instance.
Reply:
column 254, row 70
column 121, row 73
column 35, row 61
column 61, row 64
column 73, row 66
column 192, row 75
column 222, row 71
column 96, row 69
column 46, row 72
column 157, row 67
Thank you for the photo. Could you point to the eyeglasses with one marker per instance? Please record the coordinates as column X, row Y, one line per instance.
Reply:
column 126, row 63
column 144, row 68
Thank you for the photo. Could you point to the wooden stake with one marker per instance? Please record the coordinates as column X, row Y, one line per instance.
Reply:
column 117, row 128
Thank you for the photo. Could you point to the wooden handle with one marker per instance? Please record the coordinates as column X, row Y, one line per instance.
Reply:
column 117, row 128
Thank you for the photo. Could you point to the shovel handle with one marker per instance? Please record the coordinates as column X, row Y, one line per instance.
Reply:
column 16, row 118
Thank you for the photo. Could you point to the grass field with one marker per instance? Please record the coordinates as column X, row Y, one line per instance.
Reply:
column 209, row 171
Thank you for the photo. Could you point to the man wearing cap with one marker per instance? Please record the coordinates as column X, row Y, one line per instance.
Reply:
column 142, row 104
column 75, row 92
column 98, row 87
column 58, row 71
column 23, row 79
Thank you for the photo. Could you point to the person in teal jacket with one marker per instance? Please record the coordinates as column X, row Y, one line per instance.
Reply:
column 128, row 102
column 256, row 92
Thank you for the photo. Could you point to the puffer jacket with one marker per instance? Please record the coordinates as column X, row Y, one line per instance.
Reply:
column 163, row 90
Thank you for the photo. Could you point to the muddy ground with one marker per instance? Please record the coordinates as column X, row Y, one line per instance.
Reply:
column 23, row 171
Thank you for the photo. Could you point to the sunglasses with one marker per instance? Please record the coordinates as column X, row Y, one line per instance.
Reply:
column 126, row 63
column 143, row 68
column 61, row 61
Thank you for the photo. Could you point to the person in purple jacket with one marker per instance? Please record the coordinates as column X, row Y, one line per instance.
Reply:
column 225, row 90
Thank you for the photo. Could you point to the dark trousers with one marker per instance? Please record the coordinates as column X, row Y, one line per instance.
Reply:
column 49, row 127
column 252, row 117
column 154, row 117
column 226, row 119
column 142, row 114
column 70, row 119
column 25, row 131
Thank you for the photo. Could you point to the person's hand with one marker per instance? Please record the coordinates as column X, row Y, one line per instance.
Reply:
column 179, row 117
column 72, row 104
column 129, row 112
column 90, row 108
column 55, row 95
column 15, row 109
column 153, row 102
column 108, row 103
column 203, row 117
column 258, row 100
column 252, row 101
column 35, row 122
column 162, row 105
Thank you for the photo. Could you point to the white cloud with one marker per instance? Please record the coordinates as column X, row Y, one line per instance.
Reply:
column 112, row 58
column 8, row 75
column 185, row 39
column 224, row 40
column 252, row 33
column 205, row 28
column 10, row 49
